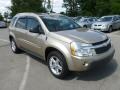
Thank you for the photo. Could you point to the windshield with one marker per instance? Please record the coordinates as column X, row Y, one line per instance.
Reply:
column 105, row 19
column 77, row 18
column 84, row 20
column 59, row 23
column 92, row 19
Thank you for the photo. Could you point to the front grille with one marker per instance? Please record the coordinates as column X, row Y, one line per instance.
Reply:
column 97, row 25
column 98, row 43
column 103, row 49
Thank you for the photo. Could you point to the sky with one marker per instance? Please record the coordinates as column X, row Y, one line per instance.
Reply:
column 57, row 5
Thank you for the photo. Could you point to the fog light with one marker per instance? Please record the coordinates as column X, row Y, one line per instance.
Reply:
column 85, row 64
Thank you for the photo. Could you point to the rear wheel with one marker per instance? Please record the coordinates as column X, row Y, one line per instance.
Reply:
column 57, row 64
column 14, row 47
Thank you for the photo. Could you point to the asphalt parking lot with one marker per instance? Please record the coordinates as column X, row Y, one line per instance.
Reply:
column 25, row 72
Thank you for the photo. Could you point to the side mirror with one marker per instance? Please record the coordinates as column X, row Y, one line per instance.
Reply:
column 33, row 30
column 38, row 30
column 41, row 31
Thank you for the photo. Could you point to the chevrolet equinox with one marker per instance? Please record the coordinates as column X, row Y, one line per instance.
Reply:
column 59, row 41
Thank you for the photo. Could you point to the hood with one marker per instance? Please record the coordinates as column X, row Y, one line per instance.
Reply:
column 82, row 24
column 81, row 35
column 101, row 23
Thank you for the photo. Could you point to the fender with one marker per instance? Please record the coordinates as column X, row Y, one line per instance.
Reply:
column 63, row 48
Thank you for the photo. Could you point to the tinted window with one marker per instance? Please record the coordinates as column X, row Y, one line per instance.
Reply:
column 116, row 18
column 33, row 24
column 77, row 18
column 84, row 20
column 59, row 23
column 13, row 21
column 21, row 23
column 105, row 19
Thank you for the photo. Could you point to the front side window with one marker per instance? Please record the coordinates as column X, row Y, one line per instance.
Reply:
column 13, row 21
column 59, row 23
column 33, row 24
column 116, row 18
column 92, row 19
column 21, row 23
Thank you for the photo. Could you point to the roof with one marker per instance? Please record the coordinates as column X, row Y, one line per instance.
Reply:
column 39, row 14
column 110, row 15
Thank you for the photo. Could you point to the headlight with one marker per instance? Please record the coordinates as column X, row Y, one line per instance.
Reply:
column 81, row 49
column 105, row 26
column 92, row 25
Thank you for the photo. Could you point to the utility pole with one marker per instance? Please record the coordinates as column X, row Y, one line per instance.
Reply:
column 52, row 5
column 49, row 6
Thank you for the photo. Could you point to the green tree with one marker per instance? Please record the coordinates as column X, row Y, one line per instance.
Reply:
column 115, row 6
column 95, row 7
column 72, row 7
column 19, row 6
column 1, row 17
column 88, row 7
column 103, row 7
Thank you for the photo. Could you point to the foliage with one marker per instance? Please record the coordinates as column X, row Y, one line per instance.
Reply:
column 92, row 7
column 19, row 6
column 1, row 17
column 72, row 7
column 115, row 6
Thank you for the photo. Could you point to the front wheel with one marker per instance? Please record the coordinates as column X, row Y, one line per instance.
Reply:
column 57, row 64
column 85, row 26
column 110, row 29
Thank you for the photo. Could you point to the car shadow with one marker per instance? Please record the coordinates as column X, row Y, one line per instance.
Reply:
column 111, row 31
column 95, row 74
column 36, row 58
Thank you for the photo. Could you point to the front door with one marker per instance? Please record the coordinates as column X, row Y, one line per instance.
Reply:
column 35, row 40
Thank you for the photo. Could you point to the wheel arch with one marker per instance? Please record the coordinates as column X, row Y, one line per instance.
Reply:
column 50, row 49
column 11, row 37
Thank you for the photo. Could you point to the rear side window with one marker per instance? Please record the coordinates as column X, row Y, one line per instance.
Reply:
column 21, row 23
column 13, row 21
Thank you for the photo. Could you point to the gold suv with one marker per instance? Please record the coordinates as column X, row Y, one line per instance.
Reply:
column 59, row 41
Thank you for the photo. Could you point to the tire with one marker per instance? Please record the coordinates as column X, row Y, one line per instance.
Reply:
column 110, row 29
column 85, row 26
column 57, row 64
column 14, row 47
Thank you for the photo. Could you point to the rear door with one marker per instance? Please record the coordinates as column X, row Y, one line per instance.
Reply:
column 116, row 22
column 20, row 31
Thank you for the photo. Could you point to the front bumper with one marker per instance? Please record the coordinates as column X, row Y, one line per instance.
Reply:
column 85, row 63
column 100, row 28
